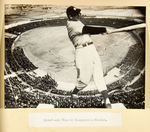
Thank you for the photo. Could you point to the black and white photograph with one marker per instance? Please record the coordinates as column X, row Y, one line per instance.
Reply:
column 74, row 56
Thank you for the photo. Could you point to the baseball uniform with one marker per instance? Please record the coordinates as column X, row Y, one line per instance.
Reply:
column 87, row 60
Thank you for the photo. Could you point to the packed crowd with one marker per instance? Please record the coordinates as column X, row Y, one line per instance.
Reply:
column 136, row 51
column 17, row 97
column 44, row 83
column 7, row 69
column 9, row 58
column 23, row 99
column 130, row 67
column 22, row 60
column 43, row 89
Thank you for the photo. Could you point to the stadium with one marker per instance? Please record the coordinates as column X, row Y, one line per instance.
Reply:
column 38, row 72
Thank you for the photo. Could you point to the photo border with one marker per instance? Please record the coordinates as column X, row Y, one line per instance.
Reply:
column 133, row 120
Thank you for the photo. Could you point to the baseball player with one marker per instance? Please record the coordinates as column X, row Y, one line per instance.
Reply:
column 87, row 60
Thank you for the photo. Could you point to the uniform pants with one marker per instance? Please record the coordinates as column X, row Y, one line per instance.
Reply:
column 89, row 65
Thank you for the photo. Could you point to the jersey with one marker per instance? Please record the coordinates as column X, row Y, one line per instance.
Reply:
column 75, row 33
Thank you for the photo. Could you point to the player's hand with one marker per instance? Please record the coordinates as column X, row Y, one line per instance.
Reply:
column 108, row 30
column 104, row 33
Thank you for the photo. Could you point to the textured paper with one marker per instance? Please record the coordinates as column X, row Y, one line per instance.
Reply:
column 74, row 119
column 16, row 120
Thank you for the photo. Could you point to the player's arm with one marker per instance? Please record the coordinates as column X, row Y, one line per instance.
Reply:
column 87, row 29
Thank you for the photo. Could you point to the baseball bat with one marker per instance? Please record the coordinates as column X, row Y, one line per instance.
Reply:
column 128, row 28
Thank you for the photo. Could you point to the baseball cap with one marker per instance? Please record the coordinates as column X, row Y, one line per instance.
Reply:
column 72, row 11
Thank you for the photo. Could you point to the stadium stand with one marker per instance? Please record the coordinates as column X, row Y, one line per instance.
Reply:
column 24, row 91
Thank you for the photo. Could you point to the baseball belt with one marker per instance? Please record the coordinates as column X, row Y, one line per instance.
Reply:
column 84, row 45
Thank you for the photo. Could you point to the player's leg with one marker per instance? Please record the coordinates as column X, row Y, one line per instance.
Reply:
column 84, row 69
column 100, row 81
